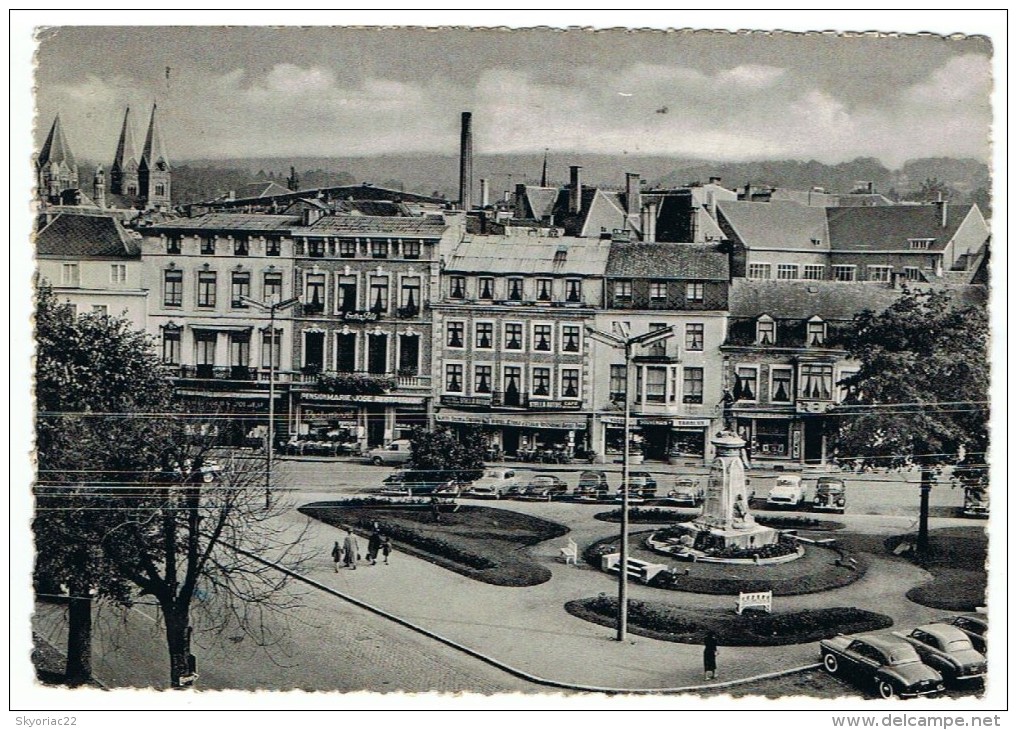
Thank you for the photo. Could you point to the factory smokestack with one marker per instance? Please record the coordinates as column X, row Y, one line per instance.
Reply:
column 466, row 163
column 575, row 188
column 485, row 193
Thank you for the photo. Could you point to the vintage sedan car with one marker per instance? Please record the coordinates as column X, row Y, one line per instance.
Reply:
column 787, row 492
column 592, row 486
column 883, row 661
column 493, row 485
column 974, row 625
column 545, row 488
column 643, row 486
column 948, row 650
column 397, row 452
column 686, row 492
column 830, row 495
column 412, row 482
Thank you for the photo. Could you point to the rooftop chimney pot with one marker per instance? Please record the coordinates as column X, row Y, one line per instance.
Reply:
column 575, row 188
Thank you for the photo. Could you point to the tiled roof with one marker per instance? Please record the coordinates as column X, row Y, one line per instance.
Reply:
column 524, row 254
column 888, row 228
column 540, row 200
column 823, row 200
column 829, row 300
column 777, row 225
column 360, row 225
column 667, row 261
column 231, row 222
column 86, row 236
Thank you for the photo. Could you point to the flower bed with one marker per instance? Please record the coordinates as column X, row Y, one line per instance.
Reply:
column 482, row 543
column 658, row 515
column 671, row 623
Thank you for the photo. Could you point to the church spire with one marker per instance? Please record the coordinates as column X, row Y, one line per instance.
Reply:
column 543, row 174
column 56, row 149
column 154, row 155
column 56, row 166
column 154, row 168
column 123, row 173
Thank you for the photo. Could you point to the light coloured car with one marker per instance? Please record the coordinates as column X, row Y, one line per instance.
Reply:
column 686, row 491
column 787, row 492
column 544, row 488
column 397, row 452
column 493, row 485
column 948, row 650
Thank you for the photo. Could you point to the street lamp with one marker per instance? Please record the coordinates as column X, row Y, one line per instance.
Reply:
column 271, row 308
column 626, row 344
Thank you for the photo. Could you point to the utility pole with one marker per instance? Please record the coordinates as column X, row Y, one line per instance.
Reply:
column 271, row 308
column 626, row 344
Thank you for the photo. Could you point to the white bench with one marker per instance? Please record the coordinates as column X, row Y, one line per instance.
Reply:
column 760, row 599
column 570, row 552
column 642, row 570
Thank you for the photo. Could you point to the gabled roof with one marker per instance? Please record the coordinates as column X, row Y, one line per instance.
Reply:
column 827, row 200
column 55, row 148
column 776, row 225
column 888, row 228
column 260, row 189
column 829, row 300
column 524, row 254
column 539, row 201
column 231, row 222
column 667, row 261
column 431, row 226
column 84, row 236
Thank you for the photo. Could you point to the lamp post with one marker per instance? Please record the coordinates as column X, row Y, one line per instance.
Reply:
column 626, row 344
column 271, row 308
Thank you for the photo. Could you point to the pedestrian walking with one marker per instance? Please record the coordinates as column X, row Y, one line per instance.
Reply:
column 386, row 547
column 351, row 550
column 337, row 555
column 435, row 509
column 710, row 655
column 374, row 546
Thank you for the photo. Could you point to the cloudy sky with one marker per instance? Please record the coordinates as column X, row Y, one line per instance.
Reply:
column 244, row 92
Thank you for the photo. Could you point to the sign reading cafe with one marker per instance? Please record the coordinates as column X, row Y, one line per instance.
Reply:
column 360, row 316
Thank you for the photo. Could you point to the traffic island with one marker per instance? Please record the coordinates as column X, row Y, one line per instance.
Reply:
column 664, row 516
column 666, row 622
column 956, row 559
column 482, row 543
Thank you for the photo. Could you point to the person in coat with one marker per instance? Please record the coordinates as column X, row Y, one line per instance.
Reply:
column 710, row 655
column 386, row 547
column 351, row 549
column 337, row 555
column 373, row 546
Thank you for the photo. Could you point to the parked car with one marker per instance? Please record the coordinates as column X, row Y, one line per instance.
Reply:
column 830, row 495
column 883, row 661
column 976, row 501
column 787, row 492
column 397, row 452
column 448, row 490
column 686, row 491
column 412, row 482
column 493, row 485
column 592, row 486
column 643, row 486
column 545, row 488
column 974, row 625
column 948, row 650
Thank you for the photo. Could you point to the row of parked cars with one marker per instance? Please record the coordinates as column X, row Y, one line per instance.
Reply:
column 920, row 662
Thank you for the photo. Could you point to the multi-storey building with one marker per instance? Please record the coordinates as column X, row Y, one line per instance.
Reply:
column 365, row 283
column 510, row 347
column 93, row 264
column 784, row 359
column 677, row 386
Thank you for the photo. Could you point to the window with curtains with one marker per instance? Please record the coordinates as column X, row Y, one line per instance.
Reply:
column 513, row 336
column 617, row 385
column 454, row 332
column 411, row 249
column 314, row 294
column 409, row 295
column 542, row 338
column 241, row 246
column 815, row 381
column 486, row 288
column 347, row 248
column 272, row 246
column 694, row 292
column 457, row 287
column 316, row 247
column 240, row 349
column 659, row 348
column 453, row 378
column 694, row 337
column 573, row 290
column 271, row 349
column 208, row 246
column 70, row 275
column 746, row 385
column 816, row 333
column 484, row 336
column 379, row 249
column 692, row 385
column 171, row 346
column 347, row 293
column 206, row 289
column 482, row 379
column 271, row 290
column 623, row 290
column 780, row 385
column 570, row 338
column 378, row 300
column 409, row 354
column 512, row 380
column 173, row 288
column 766, row 331
column 569, row 383
column 543, row 290
column 240, row 289
column 656, row 384
column 204, row 353
column 515, row 290
column 541, row 385
column 658, row 293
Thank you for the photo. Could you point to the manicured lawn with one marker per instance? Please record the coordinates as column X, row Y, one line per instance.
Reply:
column 956, row 560
column 667, row 622
column 814, row 572
column 483, row 543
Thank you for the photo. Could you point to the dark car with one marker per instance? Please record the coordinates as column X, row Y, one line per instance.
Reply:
column 948, row 650
column 888, row 664
column 830, row 495
column 413, row 482
column 592, row 486
column 544, row 488
column 643, row 486
column 974, row 625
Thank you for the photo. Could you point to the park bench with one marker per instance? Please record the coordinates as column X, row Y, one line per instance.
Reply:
column 759, row 599
column 570, row 552
column 642, row 570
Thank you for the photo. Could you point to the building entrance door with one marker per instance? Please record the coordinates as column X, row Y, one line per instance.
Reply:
column 813, row 441
column 375, row 428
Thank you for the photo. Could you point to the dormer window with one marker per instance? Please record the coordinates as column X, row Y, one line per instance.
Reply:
column 173, row 245
column 543, row 290
column 573, row 289
column 623, row 290
column 272, row 246
column 379, row 249
column 457, row 287
column 766, row 331
column 920, row 244
column 411, row 249
column 815, row 332
column 486, row 288
column 515, row 290
column 240, row 247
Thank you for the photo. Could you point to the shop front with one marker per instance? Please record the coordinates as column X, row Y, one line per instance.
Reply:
column 526, row 438
column 657, row 439
column 771, row 436
column 232, row 419
column 367, row 420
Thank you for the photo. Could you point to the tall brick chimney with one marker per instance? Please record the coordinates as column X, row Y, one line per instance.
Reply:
column 649, row 222
column 466, row 162
column 520, row 201
column 485, row 192
column 941, row 210
column 633, row 196
column 575, row 188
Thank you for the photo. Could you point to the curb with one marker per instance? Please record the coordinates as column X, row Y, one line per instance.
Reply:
column 502, row 665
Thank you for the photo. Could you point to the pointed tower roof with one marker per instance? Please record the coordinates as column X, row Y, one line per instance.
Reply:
column 126, row 148
column 56, row 149
column 154, row 151
column 543, row 173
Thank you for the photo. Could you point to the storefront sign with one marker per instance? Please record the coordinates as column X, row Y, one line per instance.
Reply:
column 654, row 421
column 690, row 423
column 612, row 421
column 393, row 399
column 796, row 444
column 465, row 400
column 553, row 405
column 360, row 316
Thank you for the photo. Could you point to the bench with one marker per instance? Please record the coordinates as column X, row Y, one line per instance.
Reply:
column 570, row 552
column 642, row 570
column 759, row 599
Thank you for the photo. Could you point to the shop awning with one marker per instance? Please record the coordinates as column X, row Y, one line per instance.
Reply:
column 221, row 328
column 514, row 419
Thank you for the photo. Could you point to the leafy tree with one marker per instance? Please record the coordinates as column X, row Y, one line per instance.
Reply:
column 920, row 397
column 446, row 455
